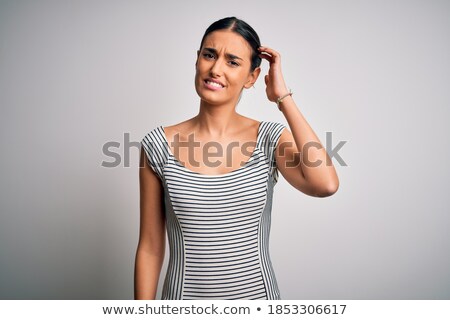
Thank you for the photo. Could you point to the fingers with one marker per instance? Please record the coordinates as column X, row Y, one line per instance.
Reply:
column 265, row 56
column 269, row 54
column 269, row 51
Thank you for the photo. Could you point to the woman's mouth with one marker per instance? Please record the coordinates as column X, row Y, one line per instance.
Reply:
column 212, row 85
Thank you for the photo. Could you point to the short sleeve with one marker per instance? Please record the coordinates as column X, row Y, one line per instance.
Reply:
column 156, row 156
column 274, row 136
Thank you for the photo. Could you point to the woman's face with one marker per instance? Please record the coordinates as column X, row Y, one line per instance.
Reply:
column 225, row 57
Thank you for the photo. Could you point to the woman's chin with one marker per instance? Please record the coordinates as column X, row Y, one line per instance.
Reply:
column 208, row 95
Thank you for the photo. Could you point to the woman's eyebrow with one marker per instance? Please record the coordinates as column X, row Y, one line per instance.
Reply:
column 229, row 55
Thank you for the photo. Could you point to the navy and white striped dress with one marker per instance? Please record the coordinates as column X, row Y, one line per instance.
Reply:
column 218, row 226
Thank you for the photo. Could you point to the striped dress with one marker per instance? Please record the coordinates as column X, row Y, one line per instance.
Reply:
column 218, row 226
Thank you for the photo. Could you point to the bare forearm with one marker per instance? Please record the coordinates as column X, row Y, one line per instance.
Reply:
column 147, row 272
column 315, row 162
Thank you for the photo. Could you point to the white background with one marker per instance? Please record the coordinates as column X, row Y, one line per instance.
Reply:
column 75, row 75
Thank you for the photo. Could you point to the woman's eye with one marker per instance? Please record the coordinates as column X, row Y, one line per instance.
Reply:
column 209, row 55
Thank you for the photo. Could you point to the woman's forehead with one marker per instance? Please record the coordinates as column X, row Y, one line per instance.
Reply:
column 229, row 41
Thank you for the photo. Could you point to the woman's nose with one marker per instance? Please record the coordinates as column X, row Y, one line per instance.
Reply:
column 216, row 68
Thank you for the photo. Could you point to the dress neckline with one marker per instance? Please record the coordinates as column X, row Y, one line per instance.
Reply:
column 247, row 162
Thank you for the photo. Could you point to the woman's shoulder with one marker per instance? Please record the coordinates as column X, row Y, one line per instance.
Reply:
column 271, row 122
column 158, row 132
column 271, row 127
column 182, row 128
column 152, row 132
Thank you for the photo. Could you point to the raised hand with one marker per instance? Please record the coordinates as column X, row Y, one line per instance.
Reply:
column 275, row 85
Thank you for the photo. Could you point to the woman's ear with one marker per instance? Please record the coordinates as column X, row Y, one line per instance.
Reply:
column 253, row 77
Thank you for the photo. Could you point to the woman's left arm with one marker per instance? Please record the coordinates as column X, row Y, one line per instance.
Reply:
column 300, row 157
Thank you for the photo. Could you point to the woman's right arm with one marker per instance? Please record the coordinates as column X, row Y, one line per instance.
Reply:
column 152, row 235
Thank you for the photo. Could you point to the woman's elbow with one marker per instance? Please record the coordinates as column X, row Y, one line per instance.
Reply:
column 329, row 190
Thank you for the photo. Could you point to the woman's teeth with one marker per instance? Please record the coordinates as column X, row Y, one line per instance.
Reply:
column 214, row 84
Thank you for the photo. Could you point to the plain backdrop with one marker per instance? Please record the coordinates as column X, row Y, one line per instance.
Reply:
column 81, row 83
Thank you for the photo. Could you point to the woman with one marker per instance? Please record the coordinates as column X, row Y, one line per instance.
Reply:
column 217, row 213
